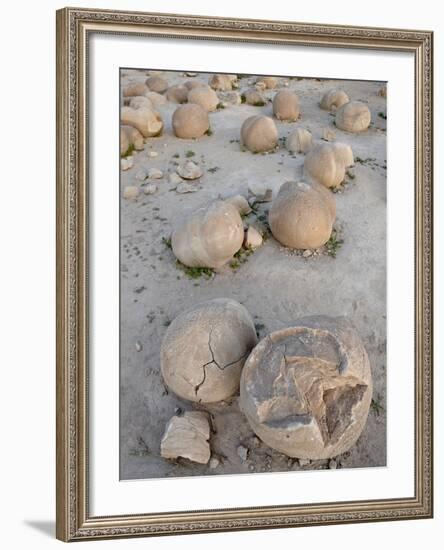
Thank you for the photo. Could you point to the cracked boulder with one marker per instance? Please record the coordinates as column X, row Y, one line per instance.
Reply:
column 302, row 215
column 187, row 436
column 204, row 349
column 209, row 236
column 333, row 99
column 306, row 390
column 147, row 121
column 353, row 116
column 327, row 162
column 299, row 141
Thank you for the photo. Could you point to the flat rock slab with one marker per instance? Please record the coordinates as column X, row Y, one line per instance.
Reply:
column 187, row 436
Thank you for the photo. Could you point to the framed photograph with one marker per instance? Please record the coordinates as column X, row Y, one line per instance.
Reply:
column 244, row 274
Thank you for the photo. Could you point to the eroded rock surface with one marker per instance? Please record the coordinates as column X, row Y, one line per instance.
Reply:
column 326, row 163
column 333, row 99
column 306, row 390
column 204, row 349
column 259, row 134
column 353, row 117
column 187, row 436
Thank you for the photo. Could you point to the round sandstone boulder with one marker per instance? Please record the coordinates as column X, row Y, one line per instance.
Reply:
column 157, row 84
column 135, row 138
column 204, row 349
column 205, row 97
column 306, row 390
column 177, row 94
column 254, row 97
column 147, row 121
column 135, row 89
column 286, row 105
column 190, row 121
column 327, row 162
column 299, row 141
column 353, row 117
column 259, row 134
column 333, row 99
column 222, row 82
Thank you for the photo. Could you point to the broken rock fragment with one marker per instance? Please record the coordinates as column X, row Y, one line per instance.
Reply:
column 306, row 390
column 189, row 170
column 187, row 436
column 204, row 349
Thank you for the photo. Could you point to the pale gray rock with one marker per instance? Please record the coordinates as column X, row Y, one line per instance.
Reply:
column 259, row 192
column 253, row 239
column 187, row 436
column 241, row 203
column 184, row 187
column 189, row 170
column 131, row 192
column 174, row 178
column 155, row 174
column 150, row 189
column 242, row 453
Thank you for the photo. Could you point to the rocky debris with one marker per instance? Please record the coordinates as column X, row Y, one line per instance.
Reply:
column 131, row 192
column 270, row 82
column 156, row 99
column 155, row 174
column 174, row 178
column 184, row 187
column 302, row 215
column 126, row 163
column 328, row 134
column 241, row 203
column 286, row 106
column 253, row 239
column 259, row 134
column 230, row 98
column 189, row 170
column 254, row 97
column 222, row 82
column 177, row 94
column 156, row 84
column 332, row 464
column 134, row 137
column 326, row 163
column 209, row 236
column 259, row 192
column 205, row 97
column 190, row 121
column 187, row 436
column 307, row 253
column 260, row 86
column 150, row 189
column 134, row 89
column 141, row 174
column 333, row 99
column 147, row 121
column 138, row 102
column 306, row 390
column 242, row 453
column 299, row 141
column 138, row 346
column 190, row 74
column 353, row 117
column 214, row 462
column 204, row 349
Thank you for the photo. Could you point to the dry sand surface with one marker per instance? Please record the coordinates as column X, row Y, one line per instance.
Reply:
column 275, row 284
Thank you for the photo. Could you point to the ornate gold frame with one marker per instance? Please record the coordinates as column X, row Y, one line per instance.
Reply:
column 73, row 519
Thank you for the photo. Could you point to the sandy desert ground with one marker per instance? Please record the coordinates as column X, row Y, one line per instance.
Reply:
column 275, row 284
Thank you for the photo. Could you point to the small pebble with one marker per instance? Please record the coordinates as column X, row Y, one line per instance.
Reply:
column 131, row 192
column 242, row 452
column 214, row 462
column 126, row 163
column 253, row 239
column 141, row 175
column 307, row 253
column 152, row 153
column 189, row 170
column 174, row 178
column 332, row 464
column 155, row 174
column 150, row 189
column 138, row 346
column 185, row 188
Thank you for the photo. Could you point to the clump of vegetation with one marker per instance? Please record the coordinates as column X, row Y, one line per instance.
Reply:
column 350, row 175
column 220, row 106
column 176, row 156
column 195, row 272
column 333, row 244
column 243, row 98
column 213, row 169
column 167, row 242
column 129, row 151
column 382, row 115
column 209, row 132
column 376, row 407
column 190, row 154
column 240, row 258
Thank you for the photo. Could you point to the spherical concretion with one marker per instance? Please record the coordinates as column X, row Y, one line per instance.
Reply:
column 306, row 390
column 157, row 84
column 140, row 101
column 333, row 99
column 210, row 236
column 270, row 82
column 147, row 121
column 191, row 84
column 205, row 97
column 254, row 97
column 353, row 116
column 177, row 94
column 204, row 349
column 302, row 215
column 190, row 121
column 156, row 99
column 286, row 105
column 135, row 89
column 299, row 141
column 259, row 134
column 326, row 163
column 135, row 138
column 222, row 82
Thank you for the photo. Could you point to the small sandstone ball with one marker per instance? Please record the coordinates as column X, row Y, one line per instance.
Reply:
column 134, row 137
column 205, row 97
column 124, row 141
column 299, row 141
column 156, row 99
column 137, row 89
column 147, row 121
column 157, row 84
column 270, row 82
column 177, row 94
column 210, row 236
column 254, row 97
column 286, row 105
column 190, row 121
column 306, row 390
column 191, row 84
column 326, row 163
column 302, row 215
column 222, row 82
column 139, row 101
column 259, row 134
column 354, row 117
column 333, row 99
column 204, row 349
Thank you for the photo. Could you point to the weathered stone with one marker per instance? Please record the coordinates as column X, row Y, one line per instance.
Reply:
column 353, row 117
column 333, row 99
column 214, row 462
column 124, row 141
column 184, row 187
column 189, row 170
column 302, row 215
column 155, row 174
column 328, row 134
column 327, row 162
column 205, row 97
column 286, row 105
column 140, row 101
column 141, row 174
column 209, row 236
column 177, row 94
column 147, row 121
column 134, row 137
column 191, row 84
column 156, row 84
column 126, row 163
column 306, row 390
column 299, row 141
column 204, row 349
column 270, row 82
column 150, row 189
column 134, row 89
column 190, row 121
column 253, row 239
column 187, row 436
column 259, row 134
column 254, row 97
column 222, row 82
column 259, row 192
column 241, row 203
column 174, row 178
column 230, row 98
column 152, row 153
column 131, row 192
column 242, row 453
column 156, row 99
